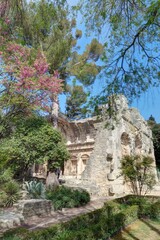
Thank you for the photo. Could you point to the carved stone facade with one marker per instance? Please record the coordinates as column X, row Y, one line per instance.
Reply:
column 98, row 145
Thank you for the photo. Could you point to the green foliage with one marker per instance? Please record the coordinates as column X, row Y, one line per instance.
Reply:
column 33, row 141
column 75, row 102
column 98, row 224
column 156, row 138
column 148, row 207
column 131, row 31
column 139, row 173
column 12, row 190
column 9, row 194
column 144, row 205
column 35, row 189
column 92, row 226
column 64, row 197
column 9, row 189
column 15, row 234
column 5, row 176
column 155, row 210
column 46, row 25
column 50, row 26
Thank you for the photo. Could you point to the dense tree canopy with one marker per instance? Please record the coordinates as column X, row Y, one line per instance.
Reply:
column 130, row 29
column 76, row 102
column 33, row 141
column 132, row 43
column 38, row 48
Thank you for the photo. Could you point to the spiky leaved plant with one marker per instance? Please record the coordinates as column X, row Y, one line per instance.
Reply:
column 35, row 189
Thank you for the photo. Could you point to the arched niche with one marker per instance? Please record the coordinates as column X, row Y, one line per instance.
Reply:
column 74, row 165
column 138, row 141
column 84, row 159
column 138, row 144
column 125, row 140
column 125, row 143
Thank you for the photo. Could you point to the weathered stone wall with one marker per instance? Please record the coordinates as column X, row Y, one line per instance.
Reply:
column 34, row 207
column 80, row 136
column 97, row 147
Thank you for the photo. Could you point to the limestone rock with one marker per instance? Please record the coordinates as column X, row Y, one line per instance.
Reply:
column 52, row 180
column 98, row 144
column 34, row 207
column 10, row 219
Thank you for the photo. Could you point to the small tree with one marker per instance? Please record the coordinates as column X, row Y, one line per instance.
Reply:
column 138, row 172
column 33, row 141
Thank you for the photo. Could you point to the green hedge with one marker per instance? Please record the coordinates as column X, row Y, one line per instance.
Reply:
column 65, row 197
column 155, row 210
column 100, row 224
column 147, row 206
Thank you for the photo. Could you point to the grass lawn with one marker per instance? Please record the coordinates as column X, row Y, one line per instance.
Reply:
column 140, row 230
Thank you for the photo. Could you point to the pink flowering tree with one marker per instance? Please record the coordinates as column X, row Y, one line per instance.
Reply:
column 25, row 78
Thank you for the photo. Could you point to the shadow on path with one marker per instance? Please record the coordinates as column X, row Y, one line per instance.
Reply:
column 153, row 228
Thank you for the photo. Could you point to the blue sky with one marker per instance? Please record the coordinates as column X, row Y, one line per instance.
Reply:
column 149, row 102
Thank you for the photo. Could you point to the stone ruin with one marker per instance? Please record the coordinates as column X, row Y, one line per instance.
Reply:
column 97, row 145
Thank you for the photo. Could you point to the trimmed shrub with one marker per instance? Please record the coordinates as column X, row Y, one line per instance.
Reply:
column 144, row 205
column 64, row 197
column 100, row 224
column 155, row 210
column 131, row 214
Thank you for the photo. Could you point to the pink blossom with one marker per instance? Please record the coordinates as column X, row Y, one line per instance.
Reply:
column 30, row 75
column 41, row 65
column 27, row 72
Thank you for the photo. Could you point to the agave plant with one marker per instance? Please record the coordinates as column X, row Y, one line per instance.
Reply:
column 35, row 189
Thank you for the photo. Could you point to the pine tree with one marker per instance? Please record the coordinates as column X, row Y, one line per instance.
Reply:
column 75, row 102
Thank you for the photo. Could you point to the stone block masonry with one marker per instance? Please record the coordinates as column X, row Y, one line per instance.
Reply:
column 34, row 207
column 97, row 146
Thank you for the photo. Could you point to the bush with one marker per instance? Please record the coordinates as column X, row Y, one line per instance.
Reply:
column 64, row 197
column 118, row 216
column 100, row 224
column 147, row 206
column 138, row 172
column 155, row 210
column 5, row 176
column 144, row 205
column 9, row 189
column 35, row 189
column 12, row 191
column 131, row 214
